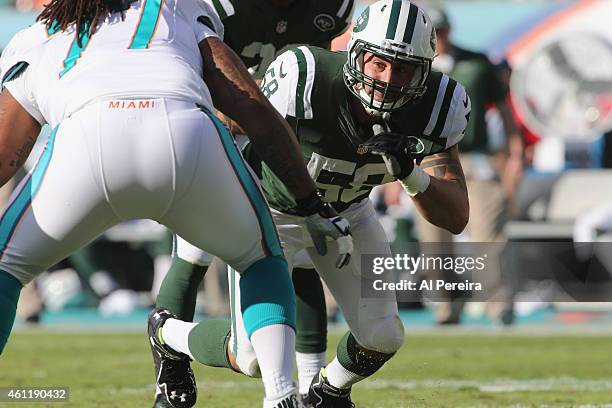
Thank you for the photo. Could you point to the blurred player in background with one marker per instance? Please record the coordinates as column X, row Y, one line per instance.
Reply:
column 492, row 173
column 258, row 31
column 121, row 85
column 364, row 118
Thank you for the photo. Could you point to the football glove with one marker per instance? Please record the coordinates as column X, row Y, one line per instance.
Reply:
column 323, row 221
column 393, row 148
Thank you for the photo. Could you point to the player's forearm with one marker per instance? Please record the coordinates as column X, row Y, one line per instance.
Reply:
column 445, row 201
column 444, row 204
column 236, row 95
column 18, row 133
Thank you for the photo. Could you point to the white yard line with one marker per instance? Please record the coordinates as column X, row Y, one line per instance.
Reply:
column 495, row 385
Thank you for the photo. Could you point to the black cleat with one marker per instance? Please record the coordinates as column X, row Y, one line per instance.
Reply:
column 324, row 395
column 161, row 402
column 173, row 372
column 289, row 401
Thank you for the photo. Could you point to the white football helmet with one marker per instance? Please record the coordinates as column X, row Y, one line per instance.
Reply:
column 398, row 31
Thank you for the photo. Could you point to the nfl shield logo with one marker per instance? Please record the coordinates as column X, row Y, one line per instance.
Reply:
column 281, row 26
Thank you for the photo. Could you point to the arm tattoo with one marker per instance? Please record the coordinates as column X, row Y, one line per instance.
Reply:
column 22, row 153
column 443, row 162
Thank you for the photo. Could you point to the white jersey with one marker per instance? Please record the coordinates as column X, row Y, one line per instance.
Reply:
column 152, row 53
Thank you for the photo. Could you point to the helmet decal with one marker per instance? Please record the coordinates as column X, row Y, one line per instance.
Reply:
column 362, row 21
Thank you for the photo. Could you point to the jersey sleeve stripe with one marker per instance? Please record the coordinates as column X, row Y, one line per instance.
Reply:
column 448, row 96
column 304, row 57
column 450, row 126
column 435, row 112
column 13, row 72
column 224, row 8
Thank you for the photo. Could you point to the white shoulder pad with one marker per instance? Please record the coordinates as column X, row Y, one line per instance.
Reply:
column 288, row 83
column 458, row 117
column 203, row 18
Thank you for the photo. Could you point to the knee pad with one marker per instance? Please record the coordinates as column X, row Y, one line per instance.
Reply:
column 384, row 336
column 266, row 295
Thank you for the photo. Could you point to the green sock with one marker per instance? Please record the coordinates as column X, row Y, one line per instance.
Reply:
column 208, row 342
column 356, row 360
column 180, row 287
column 10, row 289
column 311, row 329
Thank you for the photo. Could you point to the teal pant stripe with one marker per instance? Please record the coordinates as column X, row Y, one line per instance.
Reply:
column 76, row 50
column 147, row 24
column 266, row 295
column 268, row 229
column 9, row 295
column 15, row 210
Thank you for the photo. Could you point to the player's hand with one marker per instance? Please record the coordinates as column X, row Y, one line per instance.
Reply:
column 323, row 221
column 394, row 151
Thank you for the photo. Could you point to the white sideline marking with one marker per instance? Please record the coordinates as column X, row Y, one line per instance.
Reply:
column 495, row 385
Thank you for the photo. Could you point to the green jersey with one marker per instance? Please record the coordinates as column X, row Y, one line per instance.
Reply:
column 306, row 86
column 259, row 32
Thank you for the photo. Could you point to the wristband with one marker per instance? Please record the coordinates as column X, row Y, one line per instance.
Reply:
column 309, row 205
column 416, row 182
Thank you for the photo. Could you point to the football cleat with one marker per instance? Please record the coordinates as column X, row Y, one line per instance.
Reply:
column 324, row 395
column 161, row 402
column 173, row 372
column 288, row 401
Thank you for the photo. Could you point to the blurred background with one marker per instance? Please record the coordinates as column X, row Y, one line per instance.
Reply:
column 538, row 161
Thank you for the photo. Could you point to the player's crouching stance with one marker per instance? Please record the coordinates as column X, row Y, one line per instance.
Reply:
column 369, row 117
column 127, row 87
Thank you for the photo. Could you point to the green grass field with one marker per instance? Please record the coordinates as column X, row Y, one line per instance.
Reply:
column 431, row 370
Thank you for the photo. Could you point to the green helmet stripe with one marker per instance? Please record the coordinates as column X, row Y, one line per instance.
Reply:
column 412, row 17
column 448, row 96
column 396, row 7
column 301, row 83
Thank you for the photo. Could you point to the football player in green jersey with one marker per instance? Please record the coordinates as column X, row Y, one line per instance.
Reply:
column 258, row 31
column 364, row 118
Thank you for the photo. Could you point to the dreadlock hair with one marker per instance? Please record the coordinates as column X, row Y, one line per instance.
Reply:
column 84, row 14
